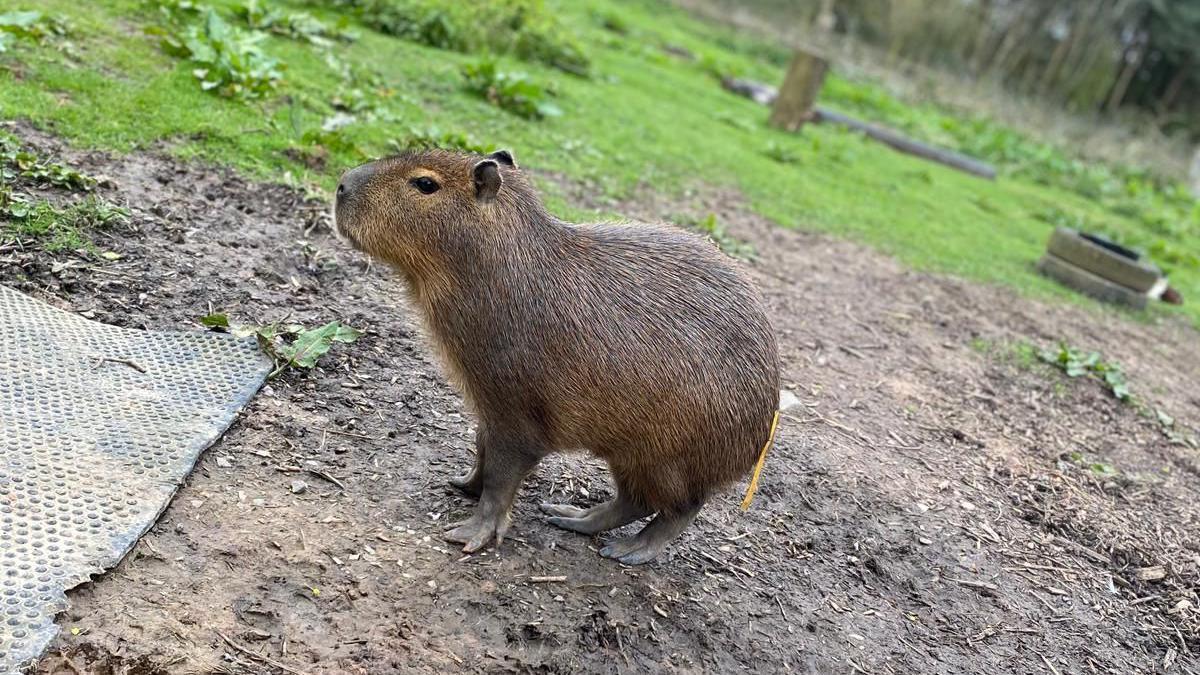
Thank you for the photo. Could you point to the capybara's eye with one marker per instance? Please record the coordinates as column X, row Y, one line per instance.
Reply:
column 425, row 184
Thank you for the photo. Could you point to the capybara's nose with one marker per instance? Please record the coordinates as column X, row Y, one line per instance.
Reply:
column 353, row 180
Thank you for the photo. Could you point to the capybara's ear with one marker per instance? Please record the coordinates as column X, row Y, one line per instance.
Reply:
column 487, row 180
column 505, row 157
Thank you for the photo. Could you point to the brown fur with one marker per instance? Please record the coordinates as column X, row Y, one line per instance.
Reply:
column 642, row 343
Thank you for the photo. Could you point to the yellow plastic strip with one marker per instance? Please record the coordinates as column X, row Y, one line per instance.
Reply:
column 762, row 458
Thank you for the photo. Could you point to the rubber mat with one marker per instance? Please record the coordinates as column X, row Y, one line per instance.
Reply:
column 98, row 427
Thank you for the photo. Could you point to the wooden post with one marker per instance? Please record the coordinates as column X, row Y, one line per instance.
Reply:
column 794, row 104
column 1194, row 174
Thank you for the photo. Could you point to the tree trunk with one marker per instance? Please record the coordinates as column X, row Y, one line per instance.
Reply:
column 1056, row 61
column 1182, row 72
column 1194, row 179
column 1126, row 77
column 1080, row 33
column 983, row 35
column 1022, row 33
column 793, row 106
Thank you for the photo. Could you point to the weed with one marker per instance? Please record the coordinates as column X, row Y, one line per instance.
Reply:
column 980, row 345
column 614, row 22
column 523, row 28
column 781, row 153
column 289, row 345
column 322, row 141
column 1076, row 364
column 1025, row 355
column 296, row 25
column 432, row 137
column 714, row 230
column 54, row 228
column 514, row 92
column 1100, row 468
column 17, row 162
column 736, row 121
column 33, row 26
column 230, row 61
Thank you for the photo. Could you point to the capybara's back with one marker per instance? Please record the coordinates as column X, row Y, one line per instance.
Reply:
column 641, row 343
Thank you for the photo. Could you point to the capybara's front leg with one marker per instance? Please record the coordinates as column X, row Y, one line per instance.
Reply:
column 506, row 458
column 472, row 482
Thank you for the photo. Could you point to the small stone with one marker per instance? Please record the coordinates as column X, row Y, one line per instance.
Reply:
column 967, row 506
column 223, row 462
column 787, row 400
column 299, row 486
column 924, row 541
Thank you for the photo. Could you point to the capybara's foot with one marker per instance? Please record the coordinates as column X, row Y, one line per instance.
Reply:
column 647, row 544
column 471, row 484
column 606, row 516
column 481, row 528
column 562, row 510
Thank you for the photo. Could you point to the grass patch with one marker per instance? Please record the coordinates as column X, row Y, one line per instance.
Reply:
column 1021, row 354
column 55, row 228
column 642, row 118
column 522, row 28
column 712, row 228
column 433, row 137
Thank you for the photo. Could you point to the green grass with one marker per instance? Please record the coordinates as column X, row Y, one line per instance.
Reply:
column 641, row 118
column 58, row 228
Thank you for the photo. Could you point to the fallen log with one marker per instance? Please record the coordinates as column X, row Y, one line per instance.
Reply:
column 765, row 94
column 907, row 145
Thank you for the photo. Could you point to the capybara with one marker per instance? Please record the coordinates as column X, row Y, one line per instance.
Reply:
column 641, row 343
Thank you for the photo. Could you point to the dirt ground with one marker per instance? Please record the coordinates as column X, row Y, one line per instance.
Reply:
column 934, row 504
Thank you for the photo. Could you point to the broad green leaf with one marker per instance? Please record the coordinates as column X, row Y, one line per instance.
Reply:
column 215, row 321
column 311, row 345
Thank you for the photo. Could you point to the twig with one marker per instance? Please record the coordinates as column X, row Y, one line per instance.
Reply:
column 546, row 580
column 347, row 433
column 259, row 657
column 72, row 665
column 1048, row 664
column 852, row 351
column 975, row 584
column 1067, row 543
column 127, row 362
column 869, row 328
column 852, row 434
column 321, row 474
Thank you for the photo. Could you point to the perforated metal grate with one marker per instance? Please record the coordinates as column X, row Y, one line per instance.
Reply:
column 98, row 426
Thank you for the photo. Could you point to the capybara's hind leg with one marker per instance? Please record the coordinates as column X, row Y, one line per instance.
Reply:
column 647, row 544
column 506, row 460
column 621, row 510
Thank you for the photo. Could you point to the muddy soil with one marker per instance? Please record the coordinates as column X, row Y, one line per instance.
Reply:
column 935, row 503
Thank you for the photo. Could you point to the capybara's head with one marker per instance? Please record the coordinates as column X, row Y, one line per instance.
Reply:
column 419, row 205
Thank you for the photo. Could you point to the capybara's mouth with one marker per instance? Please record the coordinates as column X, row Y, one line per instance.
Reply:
column 339, row 229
